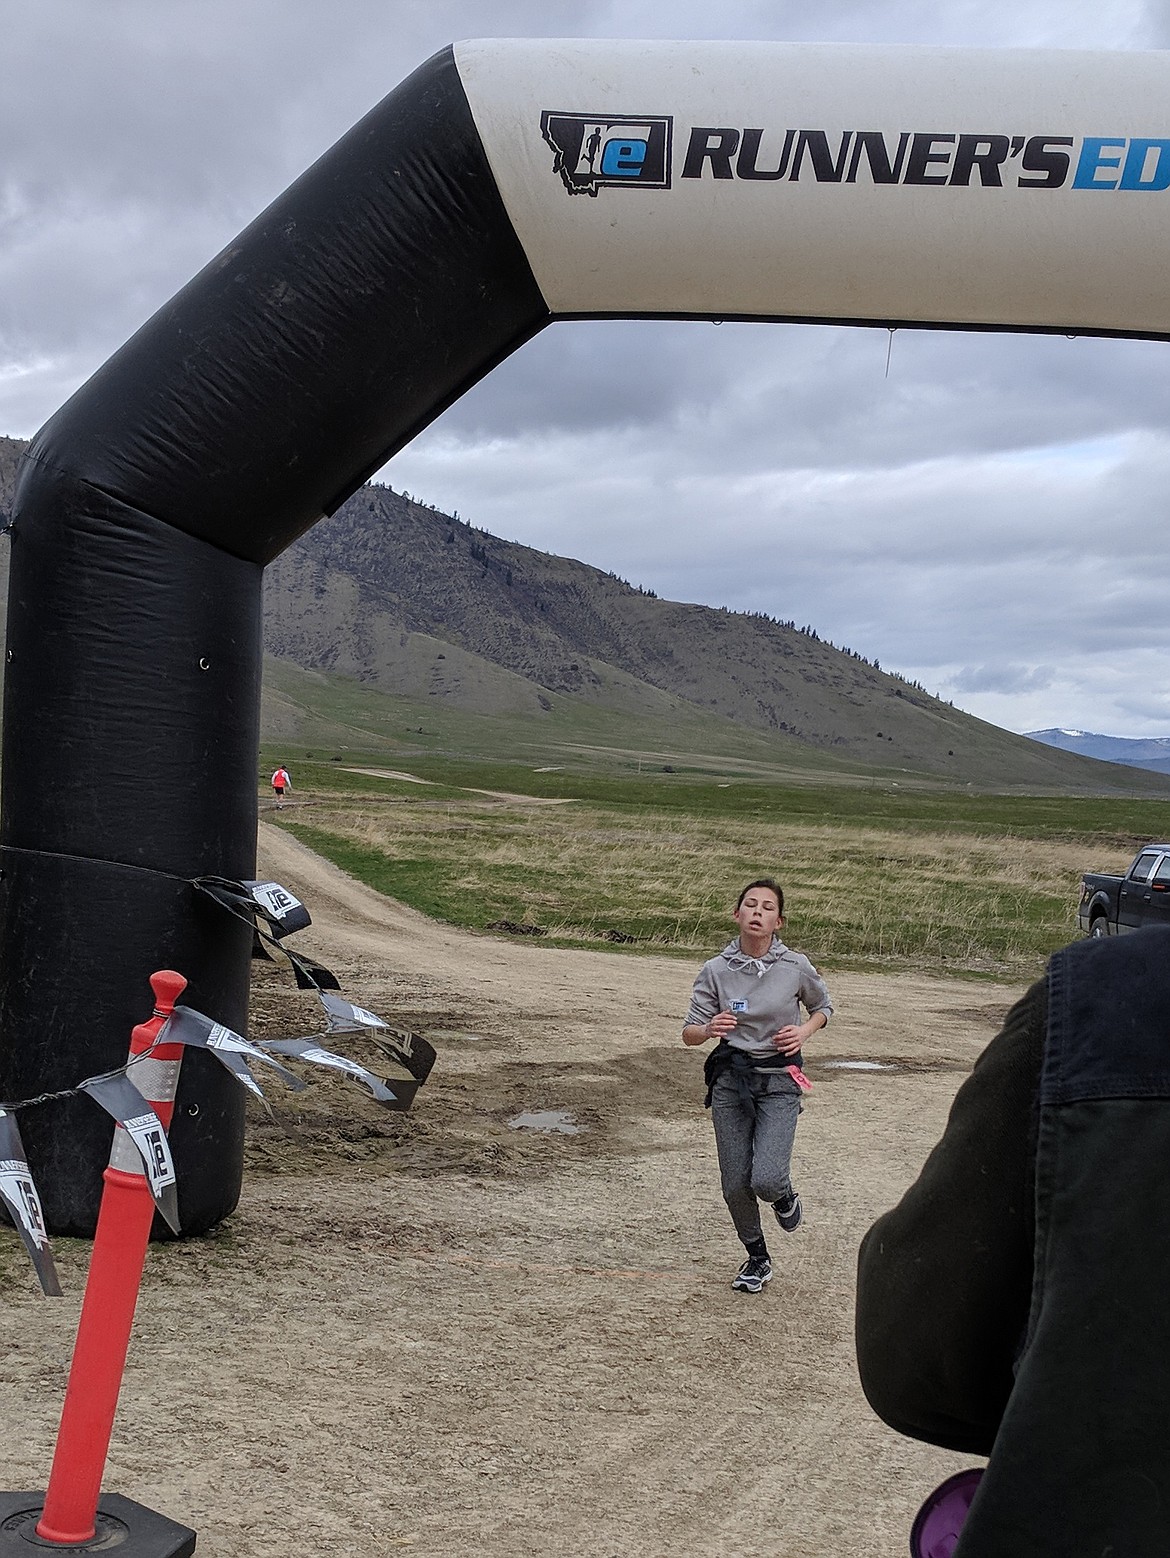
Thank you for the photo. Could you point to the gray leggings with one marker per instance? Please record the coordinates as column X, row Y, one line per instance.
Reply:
column 755, row 1156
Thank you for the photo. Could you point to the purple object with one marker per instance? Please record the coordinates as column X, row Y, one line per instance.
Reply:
column 940, row 1520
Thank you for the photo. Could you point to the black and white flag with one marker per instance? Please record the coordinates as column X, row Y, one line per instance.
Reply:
column 409, row 1050
column 272, row 912
column 19, row 1194
column 119, row 1097
column 342, row 1016
column 187, row 1026
column 306, row 1049
column 283, row 910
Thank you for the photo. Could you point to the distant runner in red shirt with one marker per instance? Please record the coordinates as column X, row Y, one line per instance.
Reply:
column 280, row 783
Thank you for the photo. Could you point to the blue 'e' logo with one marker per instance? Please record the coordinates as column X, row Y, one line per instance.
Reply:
column 623, row 159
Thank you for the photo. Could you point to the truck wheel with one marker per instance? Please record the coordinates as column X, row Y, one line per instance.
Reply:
column 1099, row 927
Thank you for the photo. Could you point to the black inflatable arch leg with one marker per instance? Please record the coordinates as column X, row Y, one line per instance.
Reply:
column 130, row 747
column 366, row 299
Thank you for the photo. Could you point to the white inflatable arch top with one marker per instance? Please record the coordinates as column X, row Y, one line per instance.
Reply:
column 1019, row 189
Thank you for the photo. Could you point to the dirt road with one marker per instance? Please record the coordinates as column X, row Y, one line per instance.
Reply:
column 440, row 1334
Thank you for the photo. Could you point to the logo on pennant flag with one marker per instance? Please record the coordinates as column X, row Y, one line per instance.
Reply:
column 17, row 1188
column 151, row 1140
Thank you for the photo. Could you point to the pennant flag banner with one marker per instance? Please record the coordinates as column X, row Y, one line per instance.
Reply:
column 309, row 974
column 305, row 1049
column 404, row 1087
column 409, row 1050
column 281, row 912
column 284, row 911
column 343, row 1016
column 272, row 912
column 19, row 1195
column 119, row 1097
column 187, row 1026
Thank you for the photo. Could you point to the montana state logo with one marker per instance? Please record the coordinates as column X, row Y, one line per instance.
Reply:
column 612, row 151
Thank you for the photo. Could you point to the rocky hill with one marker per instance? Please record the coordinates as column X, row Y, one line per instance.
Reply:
column 409, row 601
column 392, row 592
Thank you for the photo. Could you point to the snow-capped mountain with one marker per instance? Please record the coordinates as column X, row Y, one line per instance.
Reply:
column 1151, row 752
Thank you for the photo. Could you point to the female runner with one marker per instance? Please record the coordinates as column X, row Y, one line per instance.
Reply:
column 750, row 999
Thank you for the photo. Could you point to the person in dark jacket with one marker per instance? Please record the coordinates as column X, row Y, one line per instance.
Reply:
column 1016, row 1302
column 750, row 999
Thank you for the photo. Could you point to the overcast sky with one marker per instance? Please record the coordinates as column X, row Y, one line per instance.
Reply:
column 987, row 517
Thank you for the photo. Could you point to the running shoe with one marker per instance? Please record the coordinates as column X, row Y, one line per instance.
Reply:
column 752, row 1275
column 789, row 1212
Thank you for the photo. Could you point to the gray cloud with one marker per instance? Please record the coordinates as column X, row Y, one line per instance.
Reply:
column 1004, row 678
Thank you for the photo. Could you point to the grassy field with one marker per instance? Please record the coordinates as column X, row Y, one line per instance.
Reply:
column 878, row 877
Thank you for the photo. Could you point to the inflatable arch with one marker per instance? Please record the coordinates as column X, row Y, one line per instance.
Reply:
column 502, row 186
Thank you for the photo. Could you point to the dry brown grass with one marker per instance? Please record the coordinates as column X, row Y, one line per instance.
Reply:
column 956, row 900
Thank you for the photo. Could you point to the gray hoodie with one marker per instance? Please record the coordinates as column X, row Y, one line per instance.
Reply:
column 764, row 994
